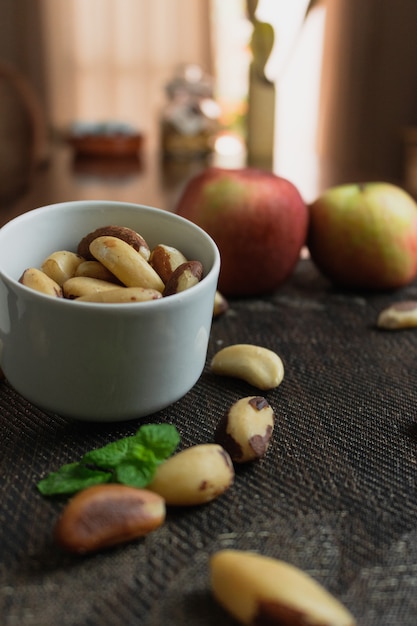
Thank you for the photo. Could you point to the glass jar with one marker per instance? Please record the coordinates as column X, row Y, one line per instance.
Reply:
column 190, row 119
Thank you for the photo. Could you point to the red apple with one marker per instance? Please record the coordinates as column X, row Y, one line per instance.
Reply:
column 364, row 236
column 258, row 220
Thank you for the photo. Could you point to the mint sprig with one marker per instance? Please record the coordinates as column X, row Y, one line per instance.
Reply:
column 130, row 461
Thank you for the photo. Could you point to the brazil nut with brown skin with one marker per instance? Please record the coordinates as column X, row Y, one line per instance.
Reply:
column 106, row 515
column 246, row 428
column 196, row 475
column 128, row 235
column 220, row 304
column 399, row 315
column 165, row 260
column 185, row 276
column 257, row 589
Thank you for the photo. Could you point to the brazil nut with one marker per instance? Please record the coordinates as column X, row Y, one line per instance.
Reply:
column 61, row 265
column 95, row 269
column 194, row 476
column 128, row 235
column 124, row 295
column 165, row 260
column 258, row 366
column 257, row 589
column 105, row 515
column 184, row 276
column 79, row 286
column 125, row 263
column 398, row 316
column 246, row 428
column 39, row 281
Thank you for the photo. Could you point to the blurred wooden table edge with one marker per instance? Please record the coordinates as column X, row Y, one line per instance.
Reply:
column 143, row 179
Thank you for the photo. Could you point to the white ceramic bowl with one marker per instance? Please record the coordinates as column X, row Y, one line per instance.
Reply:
column 102, row 362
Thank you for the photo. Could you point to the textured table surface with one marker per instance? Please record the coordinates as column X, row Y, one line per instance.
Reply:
column 336, row 493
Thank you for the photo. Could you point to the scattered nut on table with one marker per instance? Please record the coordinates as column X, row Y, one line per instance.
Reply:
column 194, row 476
column 257, row 365
column 398, row 315
column 221, row 304
column 105, row 515
column 257, row 589
column 246, row 429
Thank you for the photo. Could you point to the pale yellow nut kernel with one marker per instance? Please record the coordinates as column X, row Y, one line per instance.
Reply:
column 95, row 269
column 257, row 365
column 398, row 316
column 79, row 286
column 194, row 476
column 39, row 281
column 257, row 589
column 125, row 263
column 61, row 265
column 124, row 295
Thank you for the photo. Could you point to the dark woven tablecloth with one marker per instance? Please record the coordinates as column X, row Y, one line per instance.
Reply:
column 335, row 495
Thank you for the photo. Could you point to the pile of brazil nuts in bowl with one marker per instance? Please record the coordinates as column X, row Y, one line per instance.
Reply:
column 114, row 264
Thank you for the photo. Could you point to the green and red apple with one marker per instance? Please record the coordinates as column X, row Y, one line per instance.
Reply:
column 364, row 235
column 258, row 220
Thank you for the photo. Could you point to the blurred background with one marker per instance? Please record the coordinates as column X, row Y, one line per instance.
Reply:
column 320, row 92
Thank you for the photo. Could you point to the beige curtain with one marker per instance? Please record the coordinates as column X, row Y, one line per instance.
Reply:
column 369, row 89
column 110, row 59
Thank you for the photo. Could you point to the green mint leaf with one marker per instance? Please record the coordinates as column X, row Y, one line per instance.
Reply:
column 109, row 456
column 135, row 474
column 139, row 454
column 71, row 478
column 162, row 439
column 132, row 460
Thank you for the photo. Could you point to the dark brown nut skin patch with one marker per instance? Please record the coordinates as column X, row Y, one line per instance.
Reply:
column 185, row 276
column 106, row 515
column 165, row 260
column 122, row 232
column 246, row 428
